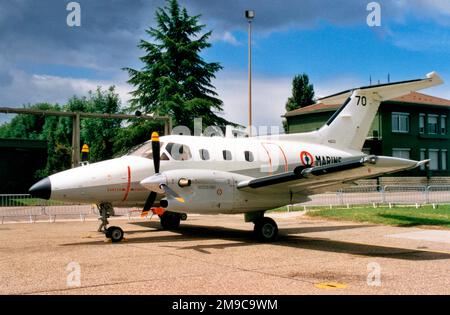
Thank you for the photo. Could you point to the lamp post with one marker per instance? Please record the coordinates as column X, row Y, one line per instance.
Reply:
column 250, row 14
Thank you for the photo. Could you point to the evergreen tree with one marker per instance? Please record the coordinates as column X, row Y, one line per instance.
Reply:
column 175, row 80
column 302, row 93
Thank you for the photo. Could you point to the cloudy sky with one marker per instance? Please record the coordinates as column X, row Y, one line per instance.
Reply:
column 43, row 59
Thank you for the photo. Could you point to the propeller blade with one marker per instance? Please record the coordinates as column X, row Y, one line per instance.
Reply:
column 150, row 200
column 171, row 193
column 156, row 151
column 156, row 160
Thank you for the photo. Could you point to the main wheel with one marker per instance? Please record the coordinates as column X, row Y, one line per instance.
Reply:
column 266, row 229
column 115, row 233
column 170, row 220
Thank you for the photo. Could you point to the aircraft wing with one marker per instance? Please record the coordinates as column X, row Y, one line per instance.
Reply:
column 314, row 180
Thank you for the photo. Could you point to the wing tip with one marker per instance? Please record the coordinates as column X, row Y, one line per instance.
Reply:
column 435, row 77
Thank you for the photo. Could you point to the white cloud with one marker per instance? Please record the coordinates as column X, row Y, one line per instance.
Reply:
column 26, row 88
column 226, row 37
column 268, row 98
column 269, row 95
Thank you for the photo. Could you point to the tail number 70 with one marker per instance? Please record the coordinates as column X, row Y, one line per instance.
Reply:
column 362, row 100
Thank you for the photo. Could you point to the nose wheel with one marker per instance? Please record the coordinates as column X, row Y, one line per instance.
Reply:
column 114, row 233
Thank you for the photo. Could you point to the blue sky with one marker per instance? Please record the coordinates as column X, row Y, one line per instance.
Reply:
column 42, row 59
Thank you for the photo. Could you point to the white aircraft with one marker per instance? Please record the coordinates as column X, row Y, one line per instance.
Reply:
column 212, row 175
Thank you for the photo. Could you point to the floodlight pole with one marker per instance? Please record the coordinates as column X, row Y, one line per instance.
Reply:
column 249, row 14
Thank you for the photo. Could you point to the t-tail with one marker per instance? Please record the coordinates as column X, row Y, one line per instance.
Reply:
column 348, row 127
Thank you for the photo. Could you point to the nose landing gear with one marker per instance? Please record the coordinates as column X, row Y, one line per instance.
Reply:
column 114, row 233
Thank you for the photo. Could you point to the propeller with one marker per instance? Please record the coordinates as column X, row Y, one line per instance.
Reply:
column 156, row 179
column 156, row 161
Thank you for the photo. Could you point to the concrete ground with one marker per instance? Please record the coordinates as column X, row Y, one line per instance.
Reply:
column 218, row 255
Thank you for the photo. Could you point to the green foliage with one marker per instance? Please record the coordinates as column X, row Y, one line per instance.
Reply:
column 175, row 80
column 99, row 134
column 137, row 132
column 302, row 93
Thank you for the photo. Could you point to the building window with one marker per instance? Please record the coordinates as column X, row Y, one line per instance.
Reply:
column 421, row 123
column 443, row 124
column 423, row 156
column 226, row 155
column 204, row 154
column 248, row 156
column 433, row 155
column 444, row 160
column 401, row 153
column 400, row 122
column 433, row 124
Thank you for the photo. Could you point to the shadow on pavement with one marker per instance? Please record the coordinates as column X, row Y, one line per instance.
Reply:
column 239, row 238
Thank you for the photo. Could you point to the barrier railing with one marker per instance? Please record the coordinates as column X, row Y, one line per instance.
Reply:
column 388, row 194
column 24, row 206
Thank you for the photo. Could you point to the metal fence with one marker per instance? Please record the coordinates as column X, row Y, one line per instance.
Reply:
column 389, row 195
column 20, row 206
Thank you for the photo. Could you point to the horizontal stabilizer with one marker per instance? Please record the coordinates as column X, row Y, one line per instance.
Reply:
column 387, row 90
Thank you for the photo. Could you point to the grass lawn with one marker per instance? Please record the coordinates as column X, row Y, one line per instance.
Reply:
column 399, row 216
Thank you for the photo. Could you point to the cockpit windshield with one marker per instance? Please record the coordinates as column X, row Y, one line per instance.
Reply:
column 143, row 150
column 177, row 152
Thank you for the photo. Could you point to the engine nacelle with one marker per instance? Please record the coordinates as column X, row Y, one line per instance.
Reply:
column 203, row 191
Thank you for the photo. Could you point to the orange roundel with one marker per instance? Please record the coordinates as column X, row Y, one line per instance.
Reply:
column 306, row 158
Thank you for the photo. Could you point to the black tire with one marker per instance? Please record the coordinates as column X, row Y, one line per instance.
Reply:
column 170, row 220
column 115, row 233
column 183, row 216
column 266, row 229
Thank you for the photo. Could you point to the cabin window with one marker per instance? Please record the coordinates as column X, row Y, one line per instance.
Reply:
column 179, row 152
column 248, row 156
column 204, row 154
column 226, row 155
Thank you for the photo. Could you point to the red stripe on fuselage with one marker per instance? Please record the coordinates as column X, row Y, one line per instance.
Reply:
column 128, row 185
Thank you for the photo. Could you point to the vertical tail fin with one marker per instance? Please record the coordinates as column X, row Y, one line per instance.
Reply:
column 350, row 124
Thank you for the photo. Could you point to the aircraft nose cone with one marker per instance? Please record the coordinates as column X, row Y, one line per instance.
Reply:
column 42, row 189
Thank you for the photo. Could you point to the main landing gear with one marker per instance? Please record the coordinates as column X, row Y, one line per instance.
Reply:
column 265, row 229
column 171, row 220
column 114, row 233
